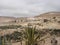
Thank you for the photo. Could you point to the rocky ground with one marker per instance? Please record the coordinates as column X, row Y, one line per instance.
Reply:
column 50, row 20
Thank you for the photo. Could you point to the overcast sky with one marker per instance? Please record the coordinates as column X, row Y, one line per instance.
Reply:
column 23, row 8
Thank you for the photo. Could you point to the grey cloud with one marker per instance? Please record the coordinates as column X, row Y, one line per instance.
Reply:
column 27, row 7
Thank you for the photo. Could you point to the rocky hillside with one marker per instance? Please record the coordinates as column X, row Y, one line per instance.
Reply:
column 50, row 20
column 48, row 17
column 49, row 14
column 44, row 22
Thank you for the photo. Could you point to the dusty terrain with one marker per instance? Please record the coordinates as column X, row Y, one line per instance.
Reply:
column 50, row 20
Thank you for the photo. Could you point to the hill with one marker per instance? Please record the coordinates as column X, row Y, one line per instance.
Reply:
column 6, row 19
column 49, row 14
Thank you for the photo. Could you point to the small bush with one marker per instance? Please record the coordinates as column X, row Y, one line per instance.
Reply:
column 45, row 20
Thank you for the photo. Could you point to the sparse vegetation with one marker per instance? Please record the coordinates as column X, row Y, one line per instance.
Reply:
column 58, row 21
column 54, row 17
column 24, row 30
column 30, row 37
column 10, row 27
column 45, row 20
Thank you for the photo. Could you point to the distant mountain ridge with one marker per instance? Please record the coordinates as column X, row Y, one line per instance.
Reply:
column 6, row 19
column 49, row 14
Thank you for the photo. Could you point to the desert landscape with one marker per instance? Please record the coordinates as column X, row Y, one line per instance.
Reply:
column 37, row 30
